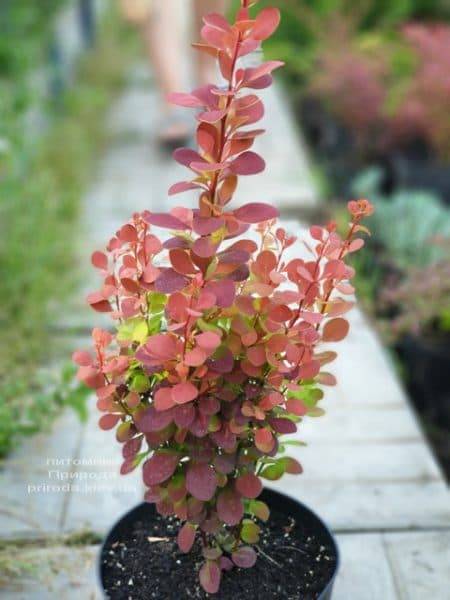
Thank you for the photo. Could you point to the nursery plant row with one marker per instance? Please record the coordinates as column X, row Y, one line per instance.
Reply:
column 404, row 275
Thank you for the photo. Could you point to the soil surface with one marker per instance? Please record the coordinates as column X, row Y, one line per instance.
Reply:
column 292, row 564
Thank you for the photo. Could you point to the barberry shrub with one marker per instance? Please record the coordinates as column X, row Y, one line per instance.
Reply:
column 215, row 356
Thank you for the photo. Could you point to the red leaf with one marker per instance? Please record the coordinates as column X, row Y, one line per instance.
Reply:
column 249, row 485
column 283, row 426
column 181, row 261
column 132, row 447
column 184, row 392
column 356, row 245
column 99, row 260
column 326, row 379
column 218, row 21
column 159, row 467
column 187, row 100
column 224, row 291
column 128, row 234
column 264, row 69
column 164, row 399
column 150, row 274
column 176, row 307
column 266, row 23
column 234, row 257
column 182, row 186
column 165, row 220
column 183, row 415
column 244, row 557
column 208, row 341
column 82, row 358
column 152, row 419
column 186, row 537
column 309, row 370
column 316, row 232
column 256, row 212
column 222, row 361
column 225, row 463
column 296, row 407
column 280, row 313
column 108, row 421
column 292, row 466
column 335, row 330
column 257, row 355
column 205, row 166
column 248, row 163
column 261, row 83
column 264, row 440
column 206, row 225
column 213, row 36
column 201, row 481
column 204, row 247
column 195, row 357
column 211, row 116
column 225, row 563
column 170, row 281
column 98, row 302
column 162, row 345
column 229, row 507
column 210, row 575
column 186, row 156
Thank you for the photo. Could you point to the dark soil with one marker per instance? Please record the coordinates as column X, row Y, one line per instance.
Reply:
column 292, row 565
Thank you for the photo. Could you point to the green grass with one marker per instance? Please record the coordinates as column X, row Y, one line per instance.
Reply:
column 41, row 183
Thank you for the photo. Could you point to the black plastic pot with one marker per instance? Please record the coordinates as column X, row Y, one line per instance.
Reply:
column 428, row 365
column 403, row 171
column 275, row 500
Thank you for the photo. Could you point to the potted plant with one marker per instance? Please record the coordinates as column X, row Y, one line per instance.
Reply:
column 216, row 359
column 421, row 332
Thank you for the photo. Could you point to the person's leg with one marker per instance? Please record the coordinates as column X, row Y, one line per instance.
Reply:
column 205, row 65
column 162, row 34
column 162, row 37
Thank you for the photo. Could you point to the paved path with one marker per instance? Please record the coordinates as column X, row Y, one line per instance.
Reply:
column 368, row 470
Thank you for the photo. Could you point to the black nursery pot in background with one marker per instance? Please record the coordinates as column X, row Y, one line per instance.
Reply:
column 428, row 366
column 403, row 171
column 297, row 558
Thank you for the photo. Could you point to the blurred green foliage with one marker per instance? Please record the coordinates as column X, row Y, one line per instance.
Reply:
column 39, row 404
column 305, row 25
column 25, row 31
column 41, row 181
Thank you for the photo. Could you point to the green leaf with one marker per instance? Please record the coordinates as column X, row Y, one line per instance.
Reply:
column 273, row 472
column 204, row 326
column 293, row 443
column 156, row 301
column 259, row 509
column 250, row 531
column 315, row 412
column 139, row 383
column 140, row 331
column 125, row 331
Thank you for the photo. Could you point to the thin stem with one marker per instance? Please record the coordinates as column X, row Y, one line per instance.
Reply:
column 223, row 137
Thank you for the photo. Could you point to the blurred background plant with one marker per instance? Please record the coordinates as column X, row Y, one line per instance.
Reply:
column 48, row 146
